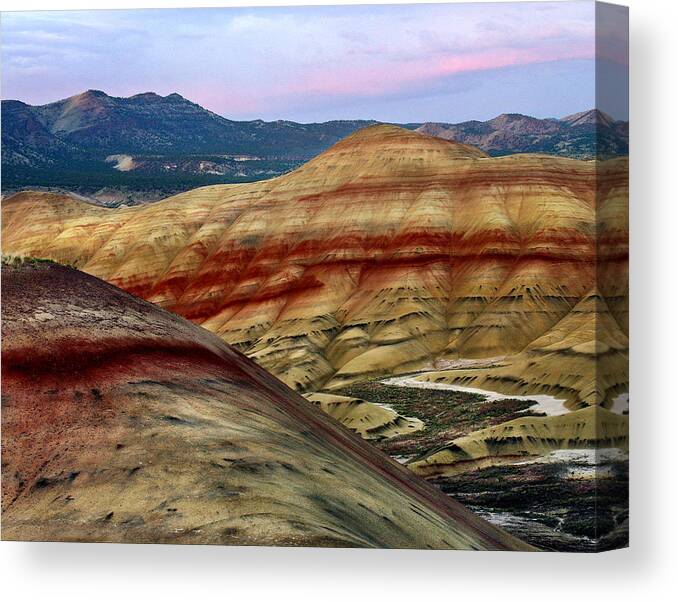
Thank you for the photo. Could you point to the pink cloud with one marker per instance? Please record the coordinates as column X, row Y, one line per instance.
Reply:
column 384, row 78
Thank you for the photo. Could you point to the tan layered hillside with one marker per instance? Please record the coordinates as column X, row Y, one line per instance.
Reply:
column 516, row 440
column 388, row 251
column 369, row 420
column 582, row 359
column 122, row 422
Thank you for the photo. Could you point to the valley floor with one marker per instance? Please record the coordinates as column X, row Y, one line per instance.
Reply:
column 573, row 500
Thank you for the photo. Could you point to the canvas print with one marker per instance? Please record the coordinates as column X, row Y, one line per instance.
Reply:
column 346, row 276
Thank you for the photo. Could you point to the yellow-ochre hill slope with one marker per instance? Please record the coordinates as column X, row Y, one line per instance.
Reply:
column 387, row 252
column 123, row 422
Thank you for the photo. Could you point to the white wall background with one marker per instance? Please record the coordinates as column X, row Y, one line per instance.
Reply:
column 647, row 571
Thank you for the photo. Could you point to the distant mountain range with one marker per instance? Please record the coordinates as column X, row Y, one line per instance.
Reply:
column 151, row 124
column 147, row 146
column 581, row 136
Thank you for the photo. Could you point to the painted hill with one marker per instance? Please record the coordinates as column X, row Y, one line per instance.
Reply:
column 389, row 251
column 370, row 420
column 122, row 422
column 582, row 360
column 514, row 441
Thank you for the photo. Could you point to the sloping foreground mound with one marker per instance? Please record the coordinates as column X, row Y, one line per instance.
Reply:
column 388, row 251
column 122, row 422
column 590, row 428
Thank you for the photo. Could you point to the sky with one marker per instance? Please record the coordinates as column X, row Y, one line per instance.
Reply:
column 400, row 63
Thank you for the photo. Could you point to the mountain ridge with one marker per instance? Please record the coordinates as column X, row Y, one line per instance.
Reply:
column 583, row 135
column 92, row 106
column 172, row 144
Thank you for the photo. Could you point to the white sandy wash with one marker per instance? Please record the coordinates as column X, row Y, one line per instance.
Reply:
column 122, row 162
column 583, row 463
column 620, row 404
column 546, row 404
